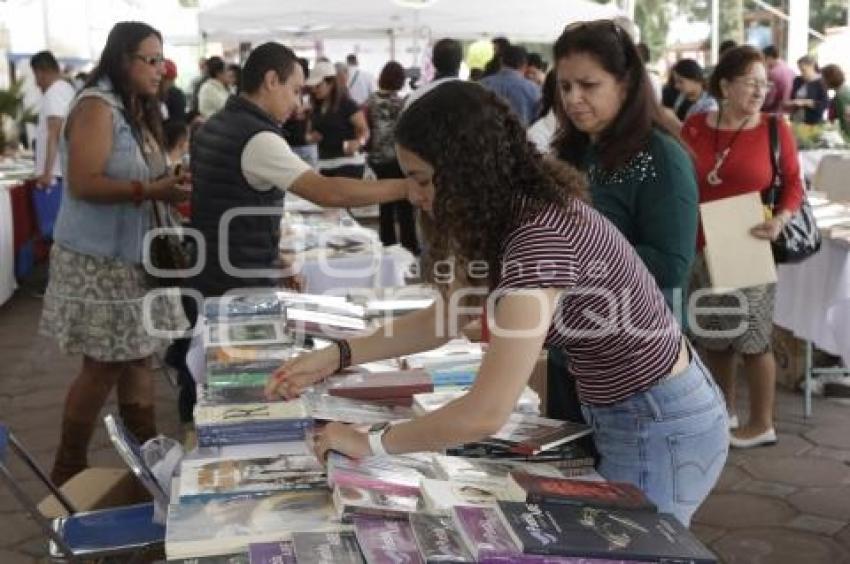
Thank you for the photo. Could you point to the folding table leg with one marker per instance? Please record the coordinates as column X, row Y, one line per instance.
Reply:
column 807, row 386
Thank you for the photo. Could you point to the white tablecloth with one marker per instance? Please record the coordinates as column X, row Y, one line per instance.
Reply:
column 813, row 299
column 811, row 158
column 338, row 274
column 7, row 245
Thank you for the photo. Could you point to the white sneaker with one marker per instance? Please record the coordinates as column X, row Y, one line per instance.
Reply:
column 765, row 439
column 733, row 422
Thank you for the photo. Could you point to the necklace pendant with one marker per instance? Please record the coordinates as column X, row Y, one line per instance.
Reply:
column 713, row 178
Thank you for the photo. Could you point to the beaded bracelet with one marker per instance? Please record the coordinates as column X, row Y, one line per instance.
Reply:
column 344, row 354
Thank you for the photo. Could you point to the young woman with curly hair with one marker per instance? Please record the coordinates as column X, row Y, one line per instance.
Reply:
column 553, row 272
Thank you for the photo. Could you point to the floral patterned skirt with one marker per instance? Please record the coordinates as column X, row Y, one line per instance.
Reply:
column 96, row 306
column 745, row 331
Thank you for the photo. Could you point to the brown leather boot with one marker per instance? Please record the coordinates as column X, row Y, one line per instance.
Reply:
column 139, row 420
column 71, row 456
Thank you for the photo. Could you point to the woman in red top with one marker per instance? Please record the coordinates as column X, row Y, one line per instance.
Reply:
column 732, row 152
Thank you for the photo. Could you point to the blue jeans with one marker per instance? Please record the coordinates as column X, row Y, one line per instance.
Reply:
column 671, row 441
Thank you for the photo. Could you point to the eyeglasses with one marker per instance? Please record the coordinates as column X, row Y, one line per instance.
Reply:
column 752, row 83
column 153, row 60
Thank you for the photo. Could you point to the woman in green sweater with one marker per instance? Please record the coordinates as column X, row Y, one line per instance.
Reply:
column 641, row 178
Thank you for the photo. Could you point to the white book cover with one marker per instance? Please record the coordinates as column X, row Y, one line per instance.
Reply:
column 350, row 500
column 244, row 452
column 249, row 412
column 442, row 495
column 296, row 317
column 528, row 402
column 240, row 333
column 224, row 526
column 217, row 478
column 456, row 351
column 736, row 259
column 332, row 408
column 462, row 469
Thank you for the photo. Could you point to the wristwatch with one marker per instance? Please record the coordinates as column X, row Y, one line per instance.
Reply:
column 376, row 438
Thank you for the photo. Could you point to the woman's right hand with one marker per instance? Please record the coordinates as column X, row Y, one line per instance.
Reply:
column 303, row 371
column 170, row 188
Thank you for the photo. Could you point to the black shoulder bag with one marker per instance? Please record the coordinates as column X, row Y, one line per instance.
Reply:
column 168, row 250
column 800, row 238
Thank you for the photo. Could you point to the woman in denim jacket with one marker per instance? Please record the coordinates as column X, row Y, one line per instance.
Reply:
column 111, row 152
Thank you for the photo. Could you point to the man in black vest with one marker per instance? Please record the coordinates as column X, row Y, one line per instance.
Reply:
column 241, row 169
column 241, row 160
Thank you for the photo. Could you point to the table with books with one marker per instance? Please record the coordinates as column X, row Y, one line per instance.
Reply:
column 333, row 252
column 252, row 491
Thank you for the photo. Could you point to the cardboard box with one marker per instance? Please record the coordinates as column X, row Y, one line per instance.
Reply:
column 790, row 354
column 96, row 488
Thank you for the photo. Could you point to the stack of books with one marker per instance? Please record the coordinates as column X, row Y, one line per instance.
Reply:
column 251, row 423
column 387, row 388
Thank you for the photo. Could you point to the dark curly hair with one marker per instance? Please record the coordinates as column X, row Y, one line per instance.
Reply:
column 487, row 176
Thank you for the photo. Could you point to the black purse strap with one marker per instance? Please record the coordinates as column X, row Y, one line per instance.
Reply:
column 775, row 159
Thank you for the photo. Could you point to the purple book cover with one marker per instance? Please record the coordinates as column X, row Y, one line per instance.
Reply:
column 271, row 553
column 484, row 532
column 536, row 559
column 386, row 541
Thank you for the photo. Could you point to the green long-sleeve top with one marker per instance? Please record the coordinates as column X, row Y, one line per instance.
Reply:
column 653, row 200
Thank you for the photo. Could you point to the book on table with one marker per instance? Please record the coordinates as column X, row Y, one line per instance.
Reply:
column 238, row 558
column 484, row 532
column 203, row 478
column 350, row 501
column 221, row 357
column 259, row 304
column 397, row 474
column 251, row 422
column 385, row 541
column 442, row 495
column 528, row 402
column 223, row 526
column 438, row 540
column 246, row 333
column 360, row 412
column 540, row 489
column 486, row 470
column 593, row 532
column 529, row 434
column 326, row 548
column 228, row 395
column 380, row 385
column 292, row 413
column 317, row 323
column 567, row 457
column 272, row 553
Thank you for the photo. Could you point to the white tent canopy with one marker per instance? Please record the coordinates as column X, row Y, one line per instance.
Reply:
column 540, row 20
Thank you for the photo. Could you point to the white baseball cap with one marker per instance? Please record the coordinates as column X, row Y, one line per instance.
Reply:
column 320, row 72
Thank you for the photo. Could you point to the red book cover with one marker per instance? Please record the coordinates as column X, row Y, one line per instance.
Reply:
column 541, row 489
column 381, row 385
